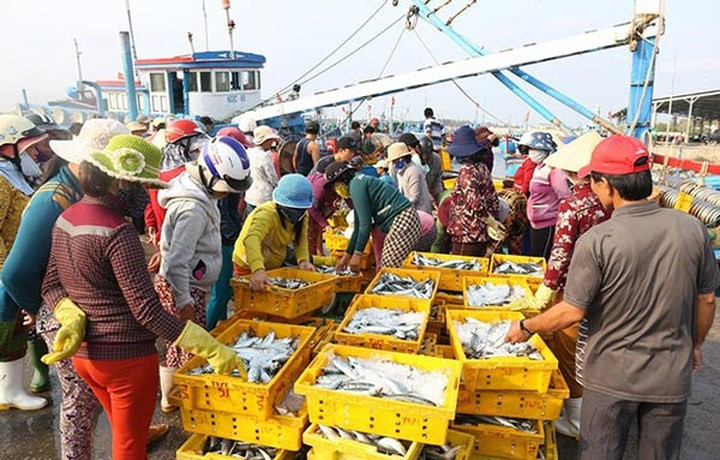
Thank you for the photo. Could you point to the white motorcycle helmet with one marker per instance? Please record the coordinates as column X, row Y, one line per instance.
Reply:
column 224, row 166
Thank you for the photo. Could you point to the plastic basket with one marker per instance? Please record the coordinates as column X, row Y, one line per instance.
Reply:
column 436, row 321
column 367, row 261
column 458, row 438
column 501, row 373
column 444, row 351
column 449, row 184
column 234, row 395
column 519, row 404
column 470, row 281
column 402, row 420
column 192, row 448
column 286, row 303
column 380, row 341
column 279, row 431
column 450, row 279
column 417, row 275
column 345, row 449
column 504, row 442
column 328, row 337
column 338, row 242
column 428, row 344
column 550, row 448
column 498, row 259
column 450, row 298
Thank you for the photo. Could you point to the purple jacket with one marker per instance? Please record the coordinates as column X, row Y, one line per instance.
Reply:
column 326, row 201
column 547, row 187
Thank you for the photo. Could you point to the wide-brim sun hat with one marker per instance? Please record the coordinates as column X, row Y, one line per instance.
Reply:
column 382, row 164
column 464, row 143
column 130, row 158
column 263, row 133
column 94, row 136
column 397, row 150
column 293, row 191
column 576, row 154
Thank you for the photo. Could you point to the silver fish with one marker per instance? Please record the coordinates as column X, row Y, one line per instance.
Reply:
column 392, row 284
column 529, row 426
column 263, row 356
column 238, row 449
column 330, row 270
column 486, row 340
column 383, row 444
column 285, row 283
column 384, row 379
column 482, row 295
column 444, row 452
column 385, row 321
column 456, row 264
column 291, row 404
column 524, row 268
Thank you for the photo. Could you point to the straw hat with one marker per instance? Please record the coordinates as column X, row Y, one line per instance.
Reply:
column 93, row 136
column 573, row 156
column 130, row 158
column 263, row 133
column 397, row 150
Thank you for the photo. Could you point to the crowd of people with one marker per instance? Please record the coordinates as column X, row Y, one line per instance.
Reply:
column 628, row 293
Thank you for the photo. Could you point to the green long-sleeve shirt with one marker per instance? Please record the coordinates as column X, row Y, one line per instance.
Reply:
column 375, row 203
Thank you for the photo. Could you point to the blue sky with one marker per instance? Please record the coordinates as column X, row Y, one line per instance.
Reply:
column 294, row 35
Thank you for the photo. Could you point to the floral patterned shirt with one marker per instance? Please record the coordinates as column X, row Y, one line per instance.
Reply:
column 473, row 199
column 577, row 214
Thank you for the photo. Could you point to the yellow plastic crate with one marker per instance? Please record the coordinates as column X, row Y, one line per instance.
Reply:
column 501, row 373
column 223, row 325
column 353, row 284
column 402, row 420
column 417, row 275
column 503, row 442
column 498, row 185
column 345, row 449
column 279, row 431
column 550, row 448
column 458, row 438
column 328, row 337
column 450, row 279
column 367, row 261
column 518, row 404
column 337, row 242
column 445, row 160
column 286, row 303
column 444, row 351
column 496, row 280
column 234, row 395
column 192, row 450
column 428, row 344
column 450, row 298
column 380, row 341
column 449, row 184
column 498, row 259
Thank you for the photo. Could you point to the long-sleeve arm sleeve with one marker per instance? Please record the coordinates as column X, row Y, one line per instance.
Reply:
column 188, row 228
column 128, row 263
column 559, row 183
column 259, row 226
column 566, row 234
column 25, row 266
column 319, row 192
column 412, row 188
column 363, row 216
column 302, row 251
column 52, row 289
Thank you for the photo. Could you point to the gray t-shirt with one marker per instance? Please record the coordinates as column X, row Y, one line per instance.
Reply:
column 637, row 276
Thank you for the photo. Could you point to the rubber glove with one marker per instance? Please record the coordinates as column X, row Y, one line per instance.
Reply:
column 323, row 260
column 71, row 333
column 198, row 341
column 495, row 230
column 542, row 299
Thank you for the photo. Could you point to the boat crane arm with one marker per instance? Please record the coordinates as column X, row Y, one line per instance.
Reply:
column 597, row 40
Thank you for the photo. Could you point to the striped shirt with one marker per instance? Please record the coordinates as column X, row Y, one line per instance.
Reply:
column 97, row 261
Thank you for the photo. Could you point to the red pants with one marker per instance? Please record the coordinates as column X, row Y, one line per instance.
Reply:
column 127, row 390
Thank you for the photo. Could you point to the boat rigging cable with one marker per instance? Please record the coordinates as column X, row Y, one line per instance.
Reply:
column 337, row 48
column 457, row 85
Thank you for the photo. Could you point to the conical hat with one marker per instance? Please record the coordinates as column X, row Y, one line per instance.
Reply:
column 573, row 156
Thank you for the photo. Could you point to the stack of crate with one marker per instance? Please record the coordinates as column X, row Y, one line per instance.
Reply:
column 230, row 407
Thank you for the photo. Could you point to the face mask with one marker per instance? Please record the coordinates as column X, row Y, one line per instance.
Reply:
column 342, row 190
column 28, row 166
column 399, row 164
column 425, row 168
column 537, row 156
column 293, row 215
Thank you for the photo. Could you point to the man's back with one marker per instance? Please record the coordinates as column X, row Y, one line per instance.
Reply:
column 638, row 276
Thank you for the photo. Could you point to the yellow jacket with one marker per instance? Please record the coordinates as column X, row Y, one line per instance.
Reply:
column 12, row 204
column 263, row 240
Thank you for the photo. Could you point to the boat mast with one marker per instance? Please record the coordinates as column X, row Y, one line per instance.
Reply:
column 207, row 40
column 132, row 33
column 79, row 67
column 230, row 26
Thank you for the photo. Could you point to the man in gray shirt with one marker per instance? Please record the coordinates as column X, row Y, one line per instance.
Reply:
column 643, row 285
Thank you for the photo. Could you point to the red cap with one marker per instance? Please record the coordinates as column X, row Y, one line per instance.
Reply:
column 618, row 155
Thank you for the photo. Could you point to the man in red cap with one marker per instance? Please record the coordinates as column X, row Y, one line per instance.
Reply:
column 642, row 284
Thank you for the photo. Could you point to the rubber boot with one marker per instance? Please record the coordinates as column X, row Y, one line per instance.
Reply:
column 12, row 393
column 36, row 349
column 569, row 423
column 166, row 386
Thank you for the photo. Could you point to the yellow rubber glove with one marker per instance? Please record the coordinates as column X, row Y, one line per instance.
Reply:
column 198, row 341
column 542, row 299
column 323, row 260
column 495, row 229
column 71, row 333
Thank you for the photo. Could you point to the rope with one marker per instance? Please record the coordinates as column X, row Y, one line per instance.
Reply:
column 452, row 18
column 337, row 48
column 392, row 53
column 457, row 85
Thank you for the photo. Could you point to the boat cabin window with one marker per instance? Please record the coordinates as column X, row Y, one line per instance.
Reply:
column 251, row 80
column 157, row 82
column 222, row 82
column 235, row 79
column 192, row 81
column 205, row 82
